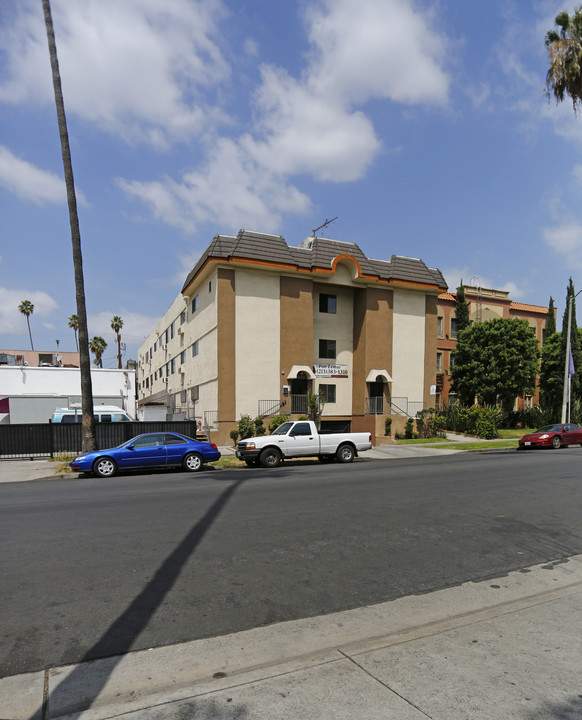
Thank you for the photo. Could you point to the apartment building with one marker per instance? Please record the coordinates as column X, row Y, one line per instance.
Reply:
column 484, row 304
column 259, row 323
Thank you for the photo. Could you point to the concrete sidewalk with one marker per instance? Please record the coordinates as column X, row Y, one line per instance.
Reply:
column 492, row 650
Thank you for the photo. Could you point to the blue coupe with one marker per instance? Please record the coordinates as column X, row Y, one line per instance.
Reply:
column 165, row 449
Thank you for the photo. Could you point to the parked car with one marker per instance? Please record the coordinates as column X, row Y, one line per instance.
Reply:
column 301, row 439
column 166, row 449
column 554, row 436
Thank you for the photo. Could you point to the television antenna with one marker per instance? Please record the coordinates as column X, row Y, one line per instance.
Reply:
column 323, row 224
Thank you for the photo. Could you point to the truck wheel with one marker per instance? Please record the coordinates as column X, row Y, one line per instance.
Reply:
column 270, row 458
column 345, row 453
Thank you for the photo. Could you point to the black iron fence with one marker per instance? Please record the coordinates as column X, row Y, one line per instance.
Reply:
column 50, row 439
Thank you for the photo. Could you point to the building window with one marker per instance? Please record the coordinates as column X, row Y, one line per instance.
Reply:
column 194, row 304
column 182, row 317
column 156, row 375
column 173, row 365
column 195, row 393
column 166, row 337
column 454, row 331
column 452, row 361
column 167, row 369
column 155, row 346
column 439, row 362
column 327, row 303
column 327, row 392
column 327, row 349
column 195, row 349
column 172, row 330
column 210, row 286
column 440, row 326
column 182, row 357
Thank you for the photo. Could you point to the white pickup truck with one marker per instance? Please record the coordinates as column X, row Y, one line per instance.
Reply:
column 301, row 439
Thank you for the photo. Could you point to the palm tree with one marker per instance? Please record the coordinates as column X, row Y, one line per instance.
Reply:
column 74, row 324
column 89, row 442
column 27, row 308
column 97, row 346
column 565, row 54
column 116, row 325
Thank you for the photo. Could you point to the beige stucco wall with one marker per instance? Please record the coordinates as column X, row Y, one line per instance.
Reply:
column 257, row 340
column 336, row 326
column 408, row 351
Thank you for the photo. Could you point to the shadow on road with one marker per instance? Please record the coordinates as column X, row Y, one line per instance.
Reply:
column 67, row 697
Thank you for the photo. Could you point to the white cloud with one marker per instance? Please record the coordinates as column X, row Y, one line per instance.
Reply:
column 13, row 322
column 376, row 49
column 135, row 326
column 231, row 190
column 29, row 182
column 454, row 276
column 362, row 50
column 565, row 239
column 136, row 68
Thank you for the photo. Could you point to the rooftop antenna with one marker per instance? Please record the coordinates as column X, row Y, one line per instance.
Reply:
column 323, row 224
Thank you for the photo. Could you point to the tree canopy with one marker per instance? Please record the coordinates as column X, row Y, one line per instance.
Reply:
column 564, row 45
column 495, row 360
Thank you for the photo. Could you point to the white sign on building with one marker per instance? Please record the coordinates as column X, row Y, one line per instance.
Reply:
column 327, row 370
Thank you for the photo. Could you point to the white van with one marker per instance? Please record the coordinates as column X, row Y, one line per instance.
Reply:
column 102, row 414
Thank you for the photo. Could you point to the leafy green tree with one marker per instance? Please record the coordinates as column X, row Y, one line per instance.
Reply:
column 74, row 325
column 495, row 360
column 462, row 309
column 97, row 345
column 89, row 441
column 551, row 321
column 27, row 308
column 564, row 45
column 116, row 325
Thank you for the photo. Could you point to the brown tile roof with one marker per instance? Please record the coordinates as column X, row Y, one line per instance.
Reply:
column 529, row 308
column 312, row 254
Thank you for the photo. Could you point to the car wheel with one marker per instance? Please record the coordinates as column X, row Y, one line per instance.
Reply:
column 345, row 453
column 104, row 467
column 192, row 462
column 270, row 458
column 556, row 442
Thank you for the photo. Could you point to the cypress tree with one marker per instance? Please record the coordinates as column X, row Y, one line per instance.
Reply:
column 462, row 310
column 551, row 321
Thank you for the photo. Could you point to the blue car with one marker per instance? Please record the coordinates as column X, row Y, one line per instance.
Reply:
column 162, row 449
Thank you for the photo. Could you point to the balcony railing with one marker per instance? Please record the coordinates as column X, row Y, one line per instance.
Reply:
column 374, row 406
column 299, row 404
column 268, row 408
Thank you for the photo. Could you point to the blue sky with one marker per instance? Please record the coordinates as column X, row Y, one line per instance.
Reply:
column 423, row 126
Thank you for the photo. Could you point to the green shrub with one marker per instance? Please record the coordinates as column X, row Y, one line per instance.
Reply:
column 247, row 427
column 409, row 429
column 481, row 421
column 276, row 421
column 233, row 436
column 388, row 426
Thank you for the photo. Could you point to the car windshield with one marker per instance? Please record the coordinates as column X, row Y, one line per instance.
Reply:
column 283, row 429
column 549, row 428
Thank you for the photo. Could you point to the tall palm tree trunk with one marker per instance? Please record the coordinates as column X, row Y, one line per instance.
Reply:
column 29, row 332
column 89, row 442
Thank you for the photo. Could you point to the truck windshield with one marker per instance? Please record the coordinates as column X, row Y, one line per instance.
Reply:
column 283, row 429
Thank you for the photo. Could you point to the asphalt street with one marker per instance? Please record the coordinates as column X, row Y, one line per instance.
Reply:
column 92, row 568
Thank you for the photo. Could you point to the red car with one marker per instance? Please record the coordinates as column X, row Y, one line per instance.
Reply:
column 553, row 436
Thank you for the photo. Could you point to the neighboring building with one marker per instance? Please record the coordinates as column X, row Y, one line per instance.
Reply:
column 30, row 394
column 34, row 358
column 259, row 324
column 484, row 304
